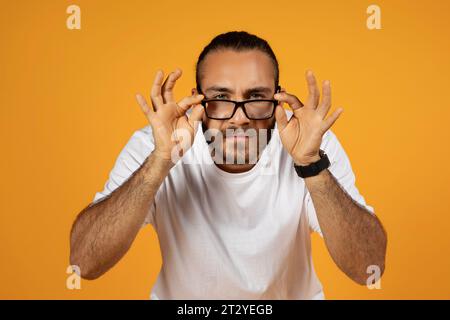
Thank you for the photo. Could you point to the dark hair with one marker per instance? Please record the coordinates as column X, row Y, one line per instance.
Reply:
column 238, row 41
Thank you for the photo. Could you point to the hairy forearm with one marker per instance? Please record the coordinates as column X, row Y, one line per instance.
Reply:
column 354, row 237
column 103, row 232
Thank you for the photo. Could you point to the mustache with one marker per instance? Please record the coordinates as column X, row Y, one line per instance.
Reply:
column 232, row 131
column 235, row 131
column 229, row 132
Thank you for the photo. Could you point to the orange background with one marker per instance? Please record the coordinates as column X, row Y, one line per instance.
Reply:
column 68, row 108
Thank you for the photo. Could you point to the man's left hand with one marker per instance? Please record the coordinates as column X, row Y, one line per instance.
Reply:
column 302, row 134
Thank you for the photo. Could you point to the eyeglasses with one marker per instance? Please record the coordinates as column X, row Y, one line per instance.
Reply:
column 255, row 109
column 221, row 109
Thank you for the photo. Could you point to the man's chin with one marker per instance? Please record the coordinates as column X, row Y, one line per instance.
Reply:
column 235, row 167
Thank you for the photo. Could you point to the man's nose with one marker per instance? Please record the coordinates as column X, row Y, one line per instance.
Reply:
column 239, row 117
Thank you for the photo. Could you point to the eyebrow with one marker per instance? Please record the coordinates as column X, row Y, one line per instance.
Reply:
column 259, row 89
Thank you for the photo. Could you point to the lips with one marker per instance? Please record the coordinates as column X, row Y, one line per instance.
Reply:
column 237, row 136
column 240, row 137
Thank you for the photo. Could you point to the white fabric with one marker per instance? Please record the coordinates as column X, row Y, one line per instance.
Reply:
column 233, row 236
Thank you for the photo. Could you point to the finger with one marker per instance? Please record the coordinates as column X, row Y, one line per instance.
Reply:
column 155, row 93
column 143, row 104
column 290, row 99
column 332, row 119
column 325, row 104
column 283, row 90
column 196, row 116
column 187, row 102
column 313, row 90
column 169, row 84
column 281, row 118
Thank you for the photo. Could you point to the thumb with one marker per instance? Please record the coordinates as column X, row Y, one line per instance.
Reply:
column 186, row 103
column 196, row 116
column 281, row 118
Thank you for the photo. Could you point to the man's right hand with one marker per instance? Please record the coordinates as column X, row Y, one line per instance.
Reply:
column 173, row 131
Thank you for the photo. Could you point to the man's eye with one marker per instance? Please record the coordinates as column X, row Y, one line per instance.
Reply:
column 256, row 96
column 220, row 96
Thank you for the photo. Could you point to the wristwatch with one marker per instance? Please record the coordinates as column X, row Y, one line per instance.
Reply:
column 313, row 169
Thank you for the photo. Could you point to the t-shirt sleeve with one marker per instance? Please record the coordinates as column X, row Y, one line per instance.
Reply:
column 341, row 169
column 137, row 149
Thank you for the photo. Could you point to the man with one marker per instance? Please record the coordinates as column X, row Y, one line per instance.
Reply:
column 233, row 221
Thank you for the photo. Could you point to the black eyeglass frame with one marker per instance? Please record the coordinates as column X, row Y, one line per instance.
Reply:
column 237, row 104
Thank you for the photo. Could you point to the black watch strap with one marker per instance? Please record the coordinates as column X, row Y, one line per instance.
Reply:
column 314, row 168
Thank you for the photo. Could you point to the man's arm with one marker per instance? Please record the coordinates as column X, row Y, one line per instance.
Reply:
column 354, row 237
column 103, row 232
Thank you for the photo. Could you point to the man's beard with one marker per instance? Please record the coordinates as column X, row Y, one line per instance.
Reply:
column 237, row 145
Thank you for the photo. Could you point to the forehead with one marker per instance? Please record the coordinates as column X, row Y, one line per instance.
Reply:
column 233, row 69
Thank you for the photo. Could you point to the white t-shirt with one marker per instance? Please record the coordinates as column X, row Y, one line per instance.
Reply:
column 233, row 236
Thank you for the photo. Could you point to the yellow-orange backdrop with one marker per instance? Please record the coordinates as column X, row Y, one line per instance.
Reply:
column 68, row 108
